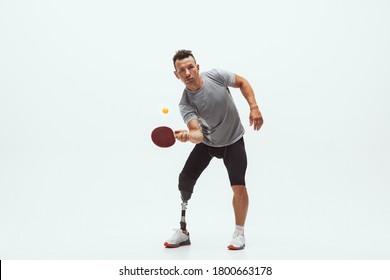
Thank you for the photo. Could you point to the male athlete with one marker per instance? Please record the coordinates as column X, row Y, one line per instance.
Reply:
column 215, row 128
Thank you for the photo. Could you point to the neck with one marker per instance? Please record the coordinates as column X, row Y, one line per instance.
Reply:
column 196, row 86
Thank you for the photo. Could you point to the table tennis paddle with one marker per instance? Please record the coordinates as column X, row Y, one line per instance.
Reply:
column 163, row 137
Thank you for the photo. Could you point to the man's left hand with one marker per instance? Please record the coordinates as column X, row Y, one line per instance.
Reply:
column 255, row 118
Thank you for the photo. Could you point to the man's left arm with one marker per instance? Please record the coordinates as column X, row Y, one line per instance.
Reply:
column 255, row 116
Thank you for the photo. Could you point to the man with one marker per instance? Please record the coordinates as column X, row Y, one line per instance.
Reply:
column 215, row 128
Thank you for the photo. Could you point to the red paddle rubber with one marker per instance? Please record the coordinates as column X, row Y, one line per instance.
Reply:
column 163, row 137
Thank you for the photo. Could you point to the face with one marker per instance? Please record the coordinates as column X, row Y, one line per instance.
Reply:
column 188, row 72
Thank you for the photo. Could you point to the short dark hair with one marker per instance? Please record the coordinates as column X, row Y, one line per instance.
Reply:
column 181, row 54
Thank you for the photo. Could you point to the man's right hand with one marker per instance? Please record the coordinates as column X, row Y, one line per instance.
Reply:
column 182, row 135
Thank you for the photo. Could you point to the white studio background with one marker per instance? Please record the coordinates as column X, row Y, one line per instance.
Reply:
column 82, row 84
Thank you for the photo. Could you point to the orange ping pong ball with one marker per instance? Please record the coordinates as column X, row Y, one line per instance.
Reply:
column 165, row 110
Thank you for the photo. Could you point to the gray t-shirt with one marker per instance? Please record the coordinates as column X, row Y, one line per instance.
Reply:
column 213, row 106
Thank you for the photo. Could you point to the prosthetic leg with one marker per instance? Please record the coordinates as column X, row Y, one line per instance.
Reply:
column 185, row 196
column 186, row 186
column 182, row 236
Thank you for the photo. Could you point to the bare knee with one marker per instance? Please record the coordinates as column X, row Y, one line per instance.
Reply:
column 239, row 190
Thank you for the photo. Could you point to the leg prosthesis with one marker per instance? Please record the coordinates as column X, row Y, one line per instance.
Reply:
column 185, row 197
column 186, row 186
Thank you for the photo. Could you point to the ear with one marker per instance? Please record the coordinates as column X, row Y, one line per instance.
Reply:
column 177, row 76
column 197, row 66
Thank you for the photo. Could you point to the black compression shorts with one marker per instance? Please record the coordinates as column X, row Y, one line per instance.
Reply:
column 234, row 158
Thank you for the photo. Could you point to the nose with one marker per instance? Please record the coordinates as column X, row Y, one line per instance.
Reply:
column 187, row 73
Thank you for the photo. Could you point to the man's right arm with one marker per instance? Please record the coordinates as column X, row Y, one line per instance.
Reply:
column 193, row 134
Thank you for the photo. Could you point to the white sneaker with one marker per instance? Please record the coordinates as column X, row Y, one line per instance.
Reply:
column 178, row 239
column 238, row 242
